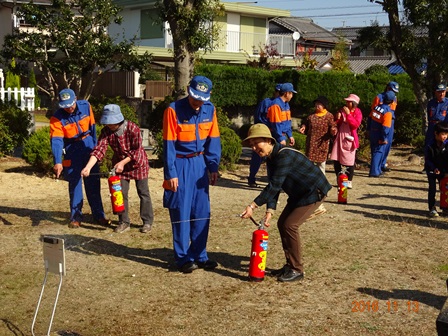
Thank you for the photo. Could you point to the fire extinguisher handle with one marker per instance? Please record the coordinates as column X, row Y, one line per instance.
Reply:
column 253, row 221
column 112, row 172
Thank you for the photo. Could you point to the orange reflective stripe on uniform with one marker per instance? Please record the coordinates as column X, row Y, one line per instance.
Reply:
column 275, row 114
column 387, row 119
column 393, row 105
column 56, row 129
column 170, row 120
column 204, row 130
column 187, row 132
column 214, row 128
column 375, row 103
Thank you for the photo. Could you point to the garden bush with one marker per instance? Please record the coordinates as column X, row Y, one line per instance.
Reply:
column 300, row 141
column 6, row 139
column 17, row 123
column 231, row 148
column 37, row 150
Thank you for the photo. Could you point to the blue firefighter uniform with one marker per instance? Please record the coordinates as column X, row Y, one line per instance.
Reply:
column 380, row 126
column 192, row 148
column 260, row 117
column 436, row 111
column 73, row 137
column 379, row 99
column 279, row 117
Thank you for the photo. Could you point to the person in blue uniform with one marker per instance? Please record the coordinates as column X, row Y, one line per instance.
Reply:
column 378, row 100
column 279, row 115
column 191, row 151
column 260, row 116
column 436, row 111
column 73, row 137
column 381, row 125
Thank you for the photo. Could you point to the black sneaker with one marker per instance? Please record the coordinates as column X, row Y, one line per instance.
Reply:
column 290, row 275
column 188, row 267
column 207, row 265
column 280, row 271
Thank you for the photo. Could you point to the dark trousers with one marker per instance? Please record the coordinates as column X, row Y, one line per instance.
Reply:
column 255, row 163
column 288, row 225
column 350, row 170
column 433, row 182
column 146, row 211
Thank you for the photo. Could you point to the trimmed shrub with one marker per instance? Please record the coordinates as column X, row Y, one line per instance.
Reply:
column 37, row 150
column 300, row 141
column 6, row 139
column 17, row 123
column 231, row 148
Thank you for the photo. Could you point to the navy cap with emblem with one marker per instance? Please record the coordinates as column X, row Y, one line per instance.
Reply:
column 200, row 88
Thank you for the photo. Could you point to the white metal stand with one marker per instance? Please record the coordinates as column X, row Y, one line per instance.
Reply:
column 54, row 259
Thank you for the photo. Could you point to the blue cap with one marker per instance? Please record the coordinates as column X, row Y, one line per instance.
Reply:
column 394, row 86
column 67, row 98
column 111, row 115
column 388, row 97
column 278, row 87
column 200, row 88
column 440, row 87
column 287, row 87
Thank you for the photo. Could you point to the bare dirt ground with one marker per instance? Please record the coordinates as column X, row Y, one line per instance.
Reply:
column 375, row 266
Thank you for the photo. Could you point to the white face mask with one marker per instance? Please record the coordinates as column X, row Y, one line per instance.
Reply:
column 121, row 129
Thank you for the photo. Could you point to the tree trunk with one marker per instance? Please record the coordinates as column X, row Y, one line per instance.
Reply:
column 183, row 68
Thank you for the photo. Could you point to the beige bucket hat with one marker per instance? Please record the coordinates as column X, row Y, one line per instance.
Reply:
column 257, row 131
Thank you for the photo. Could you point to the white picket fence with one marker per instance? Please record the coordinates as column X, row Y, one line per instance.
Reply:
column 24, row 97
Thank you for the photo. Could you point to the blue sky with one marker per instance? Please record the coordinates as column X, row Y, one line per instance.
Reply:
column 328, row 13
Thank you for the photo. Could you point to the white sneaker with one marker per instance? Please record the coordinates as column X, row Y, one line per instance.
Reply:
column 433, row 213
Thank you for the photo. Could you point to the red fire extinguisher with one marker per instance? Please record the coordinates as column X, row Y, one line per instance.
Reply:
column 444, row 193
column 342, row 187
column 258, row 253
column 116, row 194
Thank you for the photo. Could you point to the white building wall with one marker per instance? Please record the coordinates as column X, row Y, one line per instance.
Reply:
column 233, row 32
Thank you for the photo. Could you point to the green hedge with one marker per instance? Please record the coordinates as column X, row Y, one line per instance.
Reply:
column 238, row 90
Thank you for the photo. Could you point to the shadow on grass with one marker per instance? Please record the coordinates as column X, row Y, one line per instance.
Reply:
column 36, row 216
column 12, row 328
column 431, row 223
column 429, row 299
column 381, row 183
column 230, row 265
column 395, row 198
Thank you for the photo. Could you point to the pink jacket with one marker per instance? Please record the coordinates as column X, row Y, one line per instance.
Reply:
column 354, row 120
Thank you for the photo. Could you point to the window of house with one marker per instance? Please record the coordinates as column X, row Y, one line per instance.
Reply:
column 149, row 25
